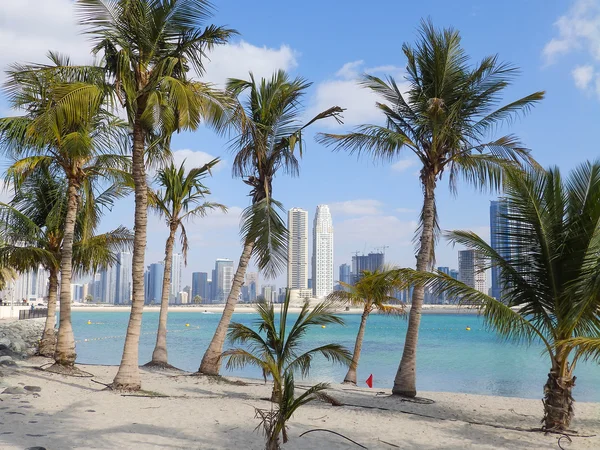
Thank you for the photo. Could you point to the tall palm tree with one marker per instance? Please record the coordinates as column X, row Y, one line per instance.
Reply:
column 149, row 48
column 373, row 292
column 177, row 203
column 278, row 352
column 549, row 271
column 444, row 119
column 65, row 129
column 268, row 121
column 32, row 229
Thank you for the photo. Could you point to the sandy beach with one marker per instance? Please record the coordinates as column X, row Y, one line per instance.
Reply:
column 62, row 413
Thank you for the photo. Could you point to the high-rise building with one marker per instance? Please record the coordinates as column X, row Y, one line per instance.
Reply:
column 471, row 269
column 224, row 279
column 176, row 267
column 322, row 259
column 297, row 269
column 252, row 285
column 213, row 285
column 182, row 298
column 345, row 273
column 370, row 262
column 123, row 279
column 200, row 287
column 156, row 273
column 499, row 225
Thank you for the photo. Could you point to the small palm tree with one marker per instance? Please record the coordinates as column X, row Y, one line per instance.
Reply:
column 177, row 203
column 444, row 119
column 274, row 421
column 278, row 352
column 373, row 291
column 269, row 126
column 71, row 136
column 150, row 48
column 197, row 300
column 549, row 276
column 32, row 228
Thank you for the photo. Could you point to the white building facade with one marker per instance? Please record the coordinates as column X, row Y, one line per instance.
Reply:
column 297, row 277
column 322, row 259
column 471, row 269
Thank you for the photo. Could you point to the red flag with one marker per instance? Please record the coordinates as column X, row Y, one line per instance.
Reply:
column 370, row 381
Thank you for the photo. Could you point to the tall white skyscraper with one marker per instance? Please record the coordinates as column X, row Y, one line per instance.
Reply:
column 470, row 269
column 176, row 266
column 322, row 259
column 123, row 294
column 223, row 279
column 297, row 277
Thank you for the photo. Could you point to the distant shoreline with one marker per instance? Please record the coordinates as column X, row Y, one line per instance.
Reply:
column 249, row 308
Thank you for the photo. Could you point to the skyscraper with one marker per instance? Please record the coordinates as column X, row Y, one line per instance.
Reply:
column 370, row 262
column 176, row 266
column 297, row 275
column 200, row 286
column 156, row 273
column 345, row 273
column 123, row 280
column 470, row 269
column 224, row 274
column 322, row 259
column 499, row 241
column 252, row 283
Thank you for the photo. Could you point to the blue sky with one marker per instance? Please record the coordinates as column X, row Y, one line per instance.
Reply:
column 556, row 45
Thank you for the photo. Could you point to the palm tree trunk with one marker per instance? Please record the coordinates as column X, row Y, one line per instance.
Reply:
column 48, row 342
column 128, row 375
column 211, row 361
column 405, row 380
column 159, row 355
column 558, row 401
column 351, row 375
column 64, row 354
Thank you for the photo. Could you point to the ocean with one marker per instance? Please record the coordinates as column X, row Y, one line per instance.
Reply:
column 450, row 358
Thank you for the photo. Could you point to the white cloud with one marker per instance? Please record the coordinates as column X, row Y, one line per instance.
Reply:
column 582, row 76
column 578, row 29
column 403, row 164
column 357, row 207
column 343, row 90
column 29, row 28
column 236, row 60
column 195, row 159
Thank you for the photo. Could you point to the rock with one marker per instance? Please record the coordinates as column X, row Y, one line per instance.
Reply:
column 32, row 388
column 5, row 358
column 4, row 341
column 7, row 361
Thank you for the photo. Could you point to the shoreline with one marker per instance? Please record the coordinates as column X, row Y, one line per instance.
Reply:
column 208, row 413
column 249, row 308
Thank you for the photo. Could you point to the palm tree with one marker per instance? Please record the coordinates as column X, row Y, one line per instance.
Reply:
column 373, row 291
column 274, row 421
column 149, row 47
column 177, row 203
column 32, row 228
column 269, row 130
column 549, row 272
column 444, row 118
column 278, row 352
column 66, row 130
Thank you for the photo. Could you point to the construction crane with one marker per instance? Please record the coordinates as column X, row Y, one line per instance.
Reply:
column 382, row 248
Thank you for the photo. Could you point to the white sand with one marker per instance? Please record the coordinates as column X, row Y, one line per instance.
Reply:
column 75, row 413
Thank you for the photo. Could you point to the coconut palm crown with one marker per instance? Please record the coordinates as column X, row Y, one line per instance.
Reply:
column 549, row 273
column 444, row 116
column 276, row 348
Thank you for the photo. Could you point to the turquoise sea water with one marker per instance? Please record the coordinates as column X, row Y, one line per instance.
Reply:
column 450, row 358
